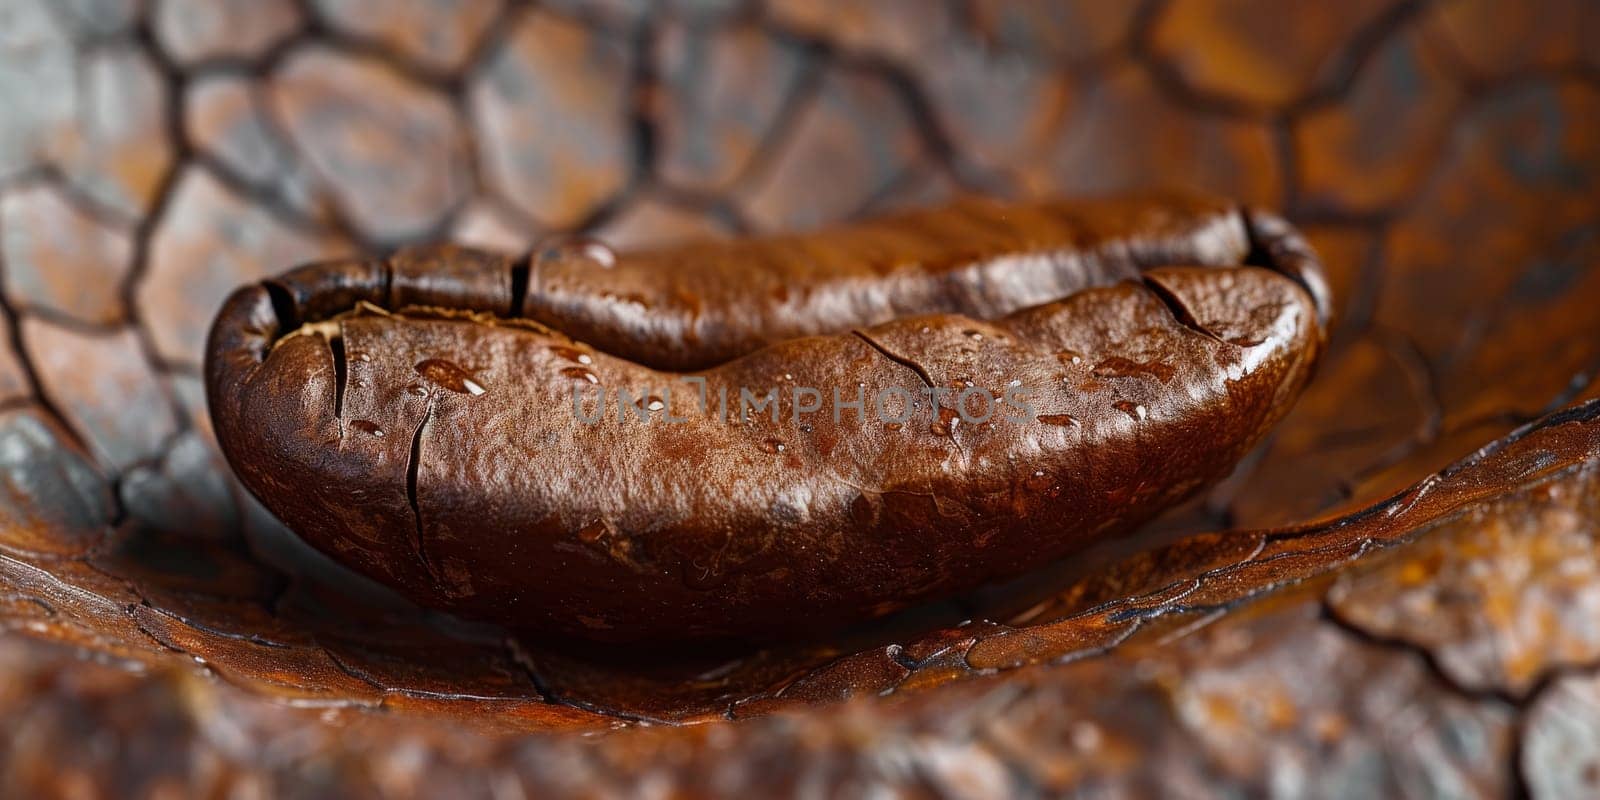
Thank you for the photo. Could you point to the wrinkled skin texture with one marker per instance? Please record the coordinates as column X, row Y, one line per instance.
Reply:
column 444, row 454
column 1291, row 631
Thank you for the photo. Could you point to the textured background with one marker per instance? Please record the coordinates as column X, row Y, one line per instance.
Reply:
column 1444, row 157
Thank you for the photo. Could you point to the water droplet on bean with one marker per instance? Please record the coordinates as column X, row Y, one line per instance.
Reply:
column 367, row 426
column 1039, row 481
column 572, row 253
column 572, row 354
column 1132, row 409
column 581, row 374
column 449, row 375
column 1120, row 367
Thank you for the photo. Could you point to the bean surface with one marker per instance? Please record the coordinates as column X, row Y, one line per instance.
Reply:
column 1030, row 379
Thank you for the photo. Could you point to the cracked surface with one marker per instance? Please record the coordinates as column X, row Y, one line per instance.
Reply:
column 1444, row 158
column 748, row 523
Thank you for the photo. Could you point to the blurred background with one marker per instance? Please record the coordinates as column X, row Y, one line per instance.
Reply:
column 155, row 155
column 1444, row 157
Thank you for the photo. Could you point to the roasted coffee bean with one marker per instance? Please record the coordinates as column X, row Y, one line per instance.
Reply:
column 767, row 436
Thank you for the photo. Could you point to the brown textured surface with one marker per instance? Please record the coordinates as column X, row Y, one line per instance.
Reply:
column 496, row 438
column 1444, row 157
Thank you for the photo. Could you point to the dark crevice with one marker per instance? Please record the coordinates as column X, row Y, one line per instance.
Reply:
column 65, row 319
column 1014, row 760
column 52, row 177
column 1569, row 393
column 638, row 115
column 223, row 632
column 698, row 201
column 413, row 466
column 1520, row 788
column 1585, row 412
column 785, row 123
column 117, row 484
column 520, row 272
column 1270, row 250
column 1260, row 253
column 1169, row 80
column 1347, row 64
column 1429, row 661
column 271, row 201
column 524, row 661
column 1180, row 312
column 901, row 360
column 1349, row 61
column 1358, row 308
column 930, row 129
column 1401, row 500
column 488, row 43
column 1287, row 156
column 936, row 141
column 644, row 86
column 1414, row 366
column 603, row 213
column 11, row 322
column 876, row 201
column 387, row 291
column 341, row 372
column 156, row 206
column 351, row 672
column 333, row 215
column 283, row 306
column 491, row 40
column 321, row 32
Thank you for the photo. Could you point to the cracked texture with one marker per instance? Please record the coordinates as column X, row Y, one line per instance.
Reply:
column 1431, row 640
